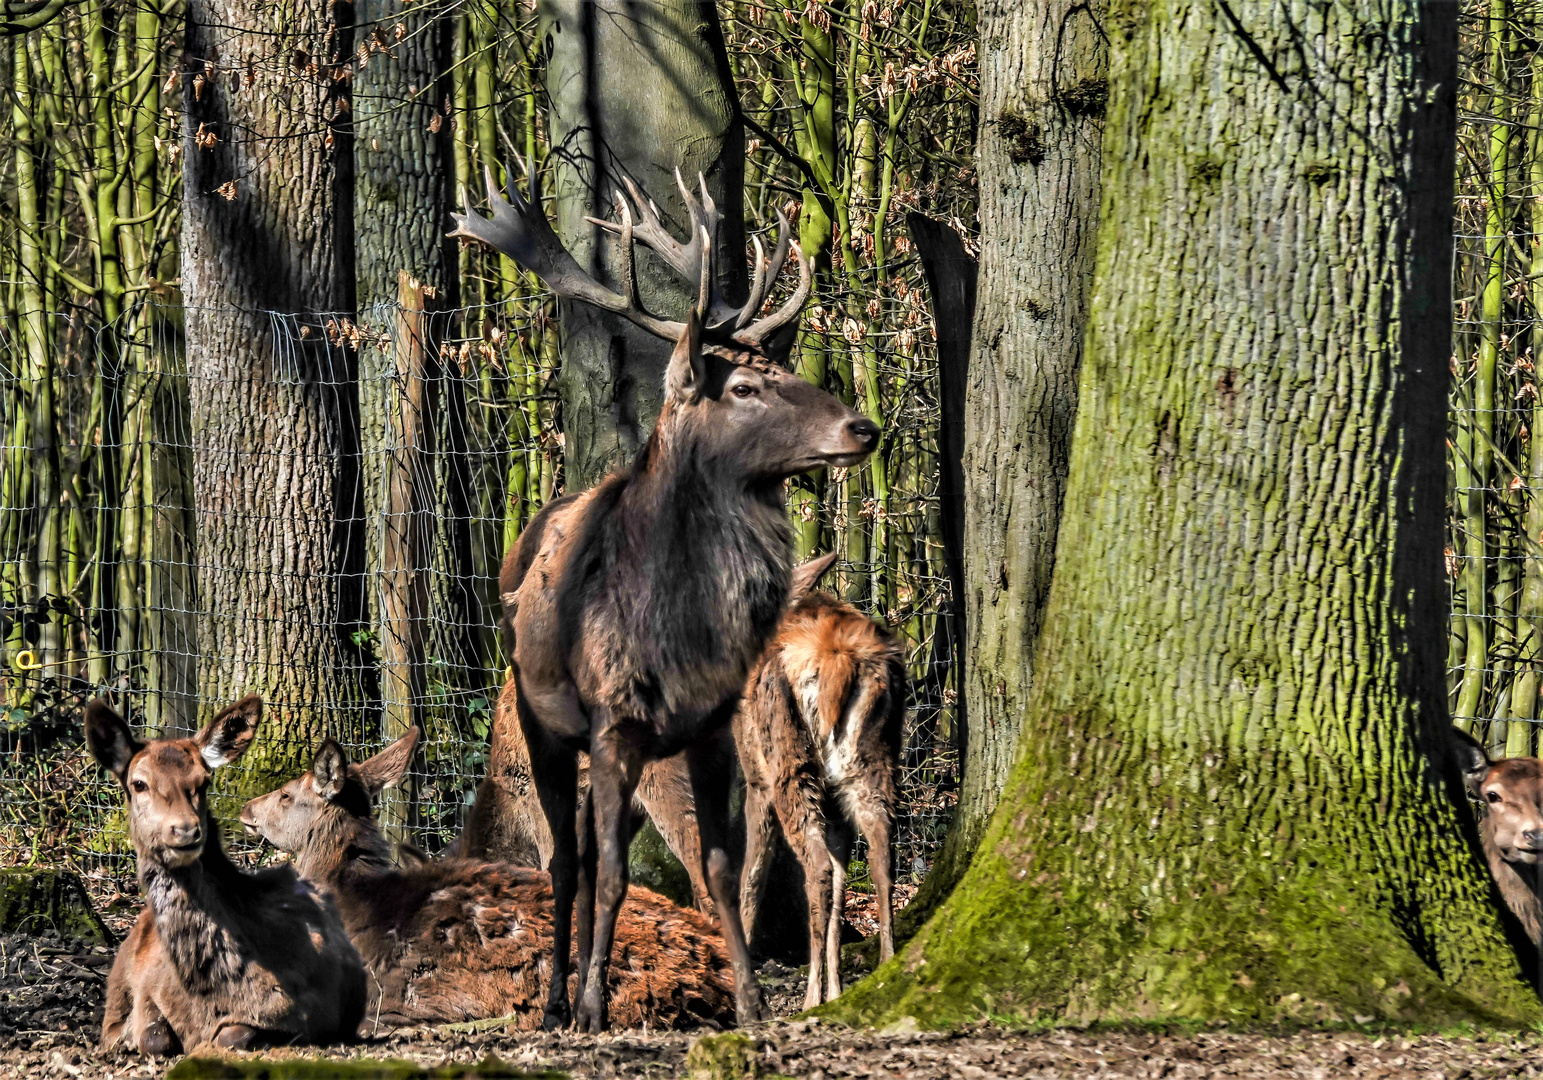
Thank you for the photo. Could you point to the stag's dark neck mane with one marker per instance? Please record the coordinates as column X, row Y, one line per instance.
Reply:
column 197, row 908
column 712, row 545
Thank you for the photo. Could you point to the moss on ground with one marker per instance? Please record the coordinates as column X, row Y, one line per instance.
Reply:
column 35, row 900
column 202, row 1068
column 731, row 1056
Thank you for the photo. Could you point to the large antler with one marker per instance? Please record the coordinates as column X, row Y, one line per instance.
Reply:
column 694, row 261
column 520, row 230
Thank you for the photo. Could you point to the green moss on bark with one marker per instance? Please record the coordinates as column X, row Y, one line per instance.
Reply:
column 32, row 901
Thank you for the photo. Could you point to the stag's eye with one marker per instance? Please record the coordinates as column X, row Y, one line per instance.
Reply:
column 742, row 390
column 1493, row 796
column 139, row 787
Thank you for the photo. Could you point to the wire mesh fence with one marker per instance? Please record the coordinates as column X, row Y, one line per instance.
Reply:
column 174, row 567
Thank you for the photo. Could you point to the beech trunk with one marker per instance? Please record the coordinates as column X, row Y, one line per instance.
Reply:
column 1232, row 799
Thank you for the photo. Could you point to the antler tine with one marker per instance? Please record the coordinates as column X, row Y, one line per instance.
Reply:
column 757, row 287
column 763, row 283
column 705, row 292
column 757, row 332
column 520, row 230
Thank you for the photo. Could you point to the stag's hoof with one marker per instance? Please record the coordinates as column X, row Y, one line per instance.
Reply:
column 556, row 1017
column 236, row 1036
column 158, row 1040
column 591, row 1018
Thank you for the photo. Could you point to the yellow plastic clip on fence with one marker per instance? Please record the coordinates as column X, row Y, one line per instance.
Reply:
column 26, row 660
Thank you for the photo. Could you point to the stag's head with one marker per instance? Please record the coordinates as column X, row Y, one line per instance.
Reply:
column 165, row 782
column 727, row 390
column 1509, row 794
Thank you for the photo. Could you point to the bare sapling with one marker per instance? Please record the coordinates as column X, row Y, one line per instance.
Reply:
column 818, row 734
column 218, row 955
column 635, row 610
column 450, row 940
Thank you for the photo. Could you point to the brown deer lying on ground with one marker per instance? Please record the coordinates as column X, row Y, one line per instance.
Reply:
column 637, row 608
column 818, row 734
column 506, row 822
column 1509, row 796
column 217, row 954
column 459, row 939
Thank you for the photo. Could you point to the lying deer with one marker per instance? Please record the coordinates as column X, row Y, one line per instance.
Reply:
column 1509, row 796
column 458, row 939
column 217, row 954
column 818, row 735
column 637, row 608
column 506, row 821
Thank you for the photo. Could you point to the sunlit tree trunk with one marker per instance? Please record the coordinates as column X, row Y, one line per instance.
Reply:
column 1232, row 799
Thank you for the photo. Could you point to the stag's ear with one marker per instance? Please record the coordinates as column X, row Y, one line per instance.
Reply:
column 778, row 345
column 230, row 733
column 1472, row 761
column 329, row 772
column 388, row 766
column 806, row 575
column 109, row 739
column 687, row 373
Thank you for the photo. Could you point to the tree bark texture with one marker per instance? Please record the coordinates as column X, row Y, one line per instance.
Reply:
column 266, row 224
column 1232, row 800
column 639, row 90
column 1043, row 90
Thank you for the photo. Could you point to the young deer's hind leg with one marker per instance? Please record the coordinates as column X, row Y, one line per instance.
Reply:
column 797, row 800
column 838, row 836
column 760, row 827
column 876, row 821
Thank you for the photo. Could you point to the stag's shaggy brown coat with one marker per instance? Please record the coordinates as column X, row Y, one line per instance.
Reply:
column 463, row 939
column 217, row 955
column 818, row 735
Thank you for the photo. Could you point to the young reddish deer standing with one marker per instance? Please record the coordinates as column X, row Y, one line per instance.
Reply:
column 217, row 954
column 1509, row 796
column 637, row 608
column 818, row 734
column 459, row 939
column 506, row 822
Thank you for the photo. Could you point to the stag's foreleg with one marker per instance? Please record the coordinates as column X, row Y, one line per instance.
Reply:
column 710, row 786
column 584, row 902
column 554, row 771
column 614, row 765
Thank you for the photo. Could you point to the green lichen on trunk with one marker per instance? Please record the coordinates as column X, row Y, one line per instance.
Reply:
column 35, row 900
column 1231, row 801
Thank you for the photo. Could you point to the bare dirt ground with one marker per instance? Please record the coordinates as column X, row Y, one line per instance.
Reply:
column 50, row 1008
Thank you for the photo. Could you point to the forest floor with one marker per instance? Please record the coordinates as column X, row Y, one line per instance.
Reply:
column 51, row 993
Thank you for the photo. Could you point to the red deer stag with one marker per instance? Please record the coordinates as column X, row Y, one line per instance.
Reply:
column 217, row 954
column 458, row 939
column 637, row 608
column 506, row 822
column 818, row 734
column 1509, row 796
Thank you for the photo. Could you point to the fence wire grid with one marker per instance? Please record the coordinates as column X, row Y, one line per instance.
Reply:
column 180, row 560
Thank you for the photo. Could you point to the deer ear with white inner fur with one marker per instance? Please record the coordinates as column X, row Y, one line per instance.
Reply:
column 329, row 771
column 687, row 373
column 109, row 738
column 388, row 766
column 230, row 733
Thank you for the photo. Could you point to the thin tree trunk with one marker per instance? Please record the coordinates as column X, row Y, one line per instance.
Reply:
column 266, row 224
column 1043, row 87
column 636, row 90
column 1233, row 800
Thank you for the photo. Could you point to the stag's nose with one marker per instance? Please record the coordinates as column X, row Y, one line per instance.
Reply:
column 184, row 833
column 864, row 432
column 1533, row 838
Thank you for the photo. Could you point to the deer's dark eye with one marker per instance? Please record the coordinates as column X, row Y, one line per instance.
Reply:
column 139, row 787
column 1493, row 796
column 742, row 390
column 284, row 796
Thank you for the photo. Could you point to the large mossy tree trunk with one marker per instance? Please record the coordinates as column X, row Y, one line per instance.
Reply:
column 1231, row 800
column 266, row 226
column 636, row 90
column 1043, row 89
